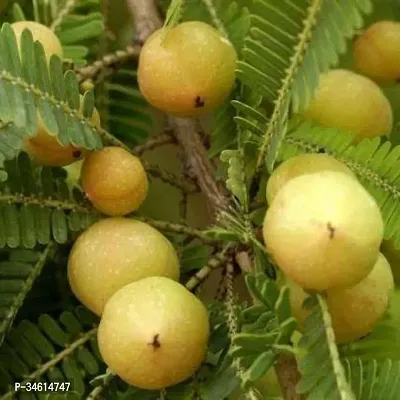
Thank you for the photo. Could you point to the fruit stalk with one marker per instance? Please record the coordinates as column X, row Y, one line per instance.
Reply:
column 146, row 20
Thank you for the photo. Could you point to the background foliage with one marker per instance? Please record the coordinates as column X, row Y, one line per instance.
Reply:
column 45, row 334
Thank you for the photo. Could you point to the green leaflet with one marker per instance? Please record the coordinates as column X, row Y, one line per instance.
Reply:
column 62, row 350
column 37, row 207
column 284, row 54
column 323, row 375
column 374, row 379
column 266, row 328
column 30, row 84
column 128, row 115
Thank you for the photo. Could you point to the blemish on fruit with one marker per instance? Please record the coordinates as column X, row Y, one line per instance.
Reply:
column 77, row 153
column 155, row 343
column 199, row 102
column 331, row 230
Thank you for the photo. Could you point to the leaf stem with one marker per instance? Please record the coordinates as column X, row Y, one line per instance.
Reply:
column 214, row 17
column 59, row 357
column 110, row 60
column 69, row 6
column 26, row 287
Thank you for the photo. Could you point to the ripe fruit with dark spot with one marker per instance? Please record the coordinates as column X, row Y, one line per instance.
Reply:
column 376, row 52
column 356, row 310
column 351, row 102
column 324, row 230
column 301, row 165
column 113, row 253
column 154, row 333
column 114, row 180
column 41, row 33
column 45, row 148
column 188, row 72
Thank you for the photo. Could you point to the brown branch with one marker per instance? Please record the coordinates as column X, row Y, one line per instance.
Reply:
column 151, row 144
column 108, row 61
column 146, row 20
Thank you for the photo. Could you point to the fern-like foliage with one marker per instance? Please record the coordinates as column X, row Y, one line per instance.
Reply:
column 36, row 206
column 267, row 327
column 78, row 25
column 323, row 376
column 16, row 279
column 124, row 110
column 374, row 380
column 376, row 163
column 288, row 46
column 63, row 350
column 30, row 87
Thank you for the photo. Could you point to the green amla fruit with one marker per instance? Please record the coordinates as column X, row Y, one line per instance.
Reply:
column 302, row 164
column 355, row 310
column 154, row 333
column 352, row 102
column 324, row 230
column 187, row 71
column 113, row 253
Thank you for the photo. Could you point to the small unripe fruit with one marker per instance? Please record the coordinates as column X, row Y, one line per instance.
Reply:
column 41, row 33
column 356, row 310
column 393, row 256
column 352, row 102
column 268, row 386
column 114, row 180
column 45, row 148
column 113, row 253
column 154, row 333
column 301, row 165
column 376, row 52
column 188, row 72
column 324, row 230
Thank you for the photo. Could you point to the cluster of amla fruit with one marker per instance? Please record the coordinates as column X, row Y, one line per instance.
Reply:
column 153, row 332
column 352, row 100
column 324, row 231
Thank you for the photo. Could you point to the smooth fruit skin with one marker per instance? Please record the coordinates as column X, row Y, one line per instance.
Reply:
column 154, row 333
column 45, row 148
column 324, row 230
column 41, row 33
column 188, row 72
column 376, row 52
column 302, row 164
column 346, row 100
column 356, row 310
column 113, row 253
column 392, row 254
column 114, row 180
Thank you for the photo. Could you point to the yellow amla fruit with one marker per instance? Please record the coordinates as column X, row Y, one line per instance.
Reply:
column 154, row 333
column 356, row 310
column 188, row 71
column 324, row 230
column 45, row 148
column 113, row 253
column 376, row 51
column 41, row 33
column 352, row 102
column 114, row 180
column 302, row 164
